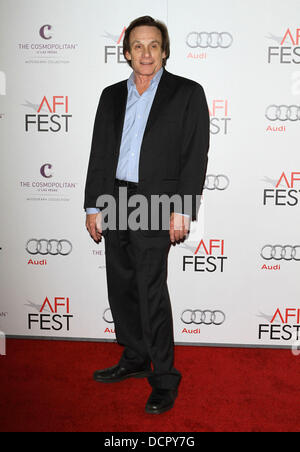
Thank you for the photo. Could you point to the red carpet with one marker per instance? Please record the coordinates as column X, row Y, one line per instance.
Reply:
column 47, row 386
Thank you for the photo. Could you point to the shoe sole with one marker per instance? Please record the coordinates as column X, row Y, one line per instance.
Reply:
column 117, row 380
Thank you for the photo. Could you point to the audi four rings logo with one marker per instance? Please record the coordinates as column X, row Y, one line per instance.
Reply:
column 219, row 182
column 279, row 252
column 52, row 247
column 283, row 113
column 206, row 317
column 107, row 317
column 213, row 40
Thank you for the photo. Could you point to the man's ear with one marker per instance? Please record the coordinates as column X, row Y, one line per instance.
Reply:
column 127, row 55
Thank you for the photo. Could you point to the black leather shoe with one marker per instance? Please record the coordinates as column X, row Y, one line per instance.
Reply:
column 161, row 400
column 117, row 373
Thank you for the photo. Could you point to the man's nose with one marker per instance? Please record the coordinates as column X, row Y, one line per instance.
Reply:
column 146, row 52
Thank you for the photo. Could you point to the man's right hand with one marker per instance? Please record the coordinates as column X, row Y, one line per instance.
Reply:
column 93, row 225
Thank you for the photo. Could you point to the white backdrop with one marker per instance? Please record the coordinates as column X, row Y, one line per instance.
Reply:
column 235, row 281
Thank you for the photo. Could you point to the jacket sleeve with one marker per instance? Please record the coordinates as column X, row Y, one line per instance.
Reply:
column 194, row 151
column 94, row 177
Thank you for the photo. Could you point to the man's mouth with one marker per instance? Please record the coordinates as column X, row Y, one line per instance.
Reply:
column 146, row 64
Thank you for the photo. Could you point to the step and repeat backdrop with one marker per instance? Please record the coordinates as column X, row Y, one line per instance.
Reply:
column 235, row 280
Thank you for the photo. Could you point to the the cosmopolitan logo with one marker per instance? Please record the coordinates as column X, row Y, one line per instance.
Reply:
column 219, row 117
column 199, row 42
column 47, row 50
column 114, row 51
column 100, row 255
column 285, row 191
column 46, row 170
column 53, row 315
column 45, row 32
column 286, row 48
column 46, row 187
column 55, row 117
column 209, row 256
column 283, row 325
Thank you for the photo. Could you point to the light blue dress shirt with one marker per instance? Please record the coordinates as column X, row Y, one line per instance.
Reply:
column 136, row 116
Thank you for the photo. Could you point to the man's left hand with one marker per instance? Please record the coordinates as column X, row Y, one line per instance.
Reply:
column 179, row 226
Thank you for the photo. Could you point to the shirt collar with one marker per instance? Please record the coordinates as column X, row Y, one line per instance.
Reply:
column 154, row 81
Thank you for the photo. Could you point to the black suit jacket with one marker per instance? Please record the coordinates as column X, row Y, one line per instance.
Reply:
column 174, row 150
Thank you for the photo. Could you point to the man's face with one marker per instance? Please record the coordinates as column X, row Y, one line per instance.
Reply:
column 145, row 54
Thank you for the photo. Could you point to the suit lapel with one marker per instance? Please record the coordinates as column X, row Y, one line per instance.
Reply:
column 163, row 93
column 120, row 102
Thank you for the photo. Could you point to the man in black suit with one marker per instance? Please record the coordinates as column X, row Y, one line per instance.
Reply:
column 151, row 137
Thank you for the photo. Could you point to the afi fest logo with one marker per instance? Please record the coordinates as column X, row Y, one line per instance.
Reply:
column 287, row 50
column 219, row 117
column 56, row 120
column 209, row 256
column 286, row 191
column 114, row 52
column 283, row 325
column 53, row 315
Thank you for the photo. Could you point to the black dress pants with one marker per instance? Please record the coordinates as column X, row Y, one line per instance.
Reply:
column 136, row 266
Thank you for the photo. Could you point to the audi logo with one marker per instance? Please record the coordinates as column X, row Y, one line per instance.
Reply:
column 52, row 247
column 107, row 317
column 213, row 40
column 219, row 182
column 283, row 113
column 279, row 252
column 206, row 317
